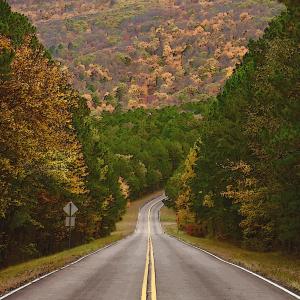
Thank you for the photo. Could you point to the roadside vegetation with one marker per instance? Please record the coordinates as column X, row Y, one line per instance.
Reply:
column 277, row 266
column 240, row 182
column 53, row 150
column 230, row 163
column 14, row 276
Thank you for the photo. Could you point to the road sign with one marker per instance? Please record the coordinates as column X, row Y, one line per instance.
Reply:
column 70, row 209
column 70, row 221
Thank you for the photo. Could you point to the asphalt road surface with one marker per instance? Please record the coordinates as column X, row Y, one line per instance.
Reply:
column 181, row 272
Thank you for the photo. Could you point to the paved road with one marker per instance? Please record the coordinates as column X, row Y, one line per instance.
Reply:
column 182, row 272
column 185, row 273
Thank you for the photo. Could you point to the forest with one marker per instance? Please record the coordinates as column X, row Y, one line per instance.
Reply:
column 148, row 53
column 240, row 181
column 53, row 150
column 230, row 163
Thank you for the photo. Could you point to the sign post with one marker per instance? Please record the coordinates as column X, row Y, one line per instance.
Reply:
column 70, row 209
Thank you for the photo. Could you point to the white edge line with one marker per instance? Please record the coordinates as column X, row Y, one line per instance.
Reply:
column 232, row 264
column 59, row 269
column 74, row 262
column 140, row 208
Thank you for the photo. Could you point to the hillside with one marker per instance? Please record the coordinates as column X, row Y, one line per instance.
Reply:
column 148, row 53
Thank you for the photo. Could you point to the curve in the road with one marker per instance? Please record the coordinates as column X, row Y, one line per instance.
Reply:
column 181, row 272
column 185, row 272
column 149, row 281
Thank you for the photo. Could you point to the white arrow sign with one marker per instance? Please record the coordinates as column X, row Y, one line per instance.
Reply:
column 70, row 209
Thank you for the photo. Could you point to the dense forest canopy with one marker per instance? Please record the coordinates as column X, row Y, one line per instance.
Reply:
column 53, row 151
column 241, row 181
column 240, row 177
column 143, row 53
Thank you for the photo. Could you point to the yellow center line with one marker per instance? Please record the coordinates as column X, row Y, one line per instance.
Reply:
column 149, row 261
column 145, row 280
column 153, row 276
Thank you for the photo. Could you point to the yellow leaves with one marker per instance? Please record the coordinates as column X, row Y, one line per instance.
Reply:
column 124, row 187
column 173, row 57
column 183, row 203
column 98, row 72
column 136, row 91
column 162, row 97
column 136, row 95
column 107, row 202
column 149, row 46
column 198, row 30
column 60, row 166
column 208, row 201
column 242, row 167
column 234, row 52
column 252, row 197
column 185, row 217
column 229, row 72
column 5, row 44
column 36, row 122
column 103, row 168
column 189, row 163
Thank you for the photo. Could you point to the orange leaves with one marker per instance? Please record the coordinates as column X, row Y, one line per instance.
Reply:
column 97, row 72
column 5, row 44
column 178, row 34
column 245, row 16
column 124, row 187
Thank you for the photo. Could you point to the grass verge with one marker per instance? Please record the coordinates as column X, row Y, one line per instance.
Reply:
column 280, row 268
column 14, row 276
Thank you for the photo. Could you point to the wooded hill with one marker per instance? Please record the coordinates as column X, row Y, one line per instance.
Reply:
column 240, row 181
column 148, row 53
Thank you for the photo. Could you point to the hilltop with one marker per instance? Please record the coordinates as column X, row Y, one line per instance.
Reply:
column 135, row 53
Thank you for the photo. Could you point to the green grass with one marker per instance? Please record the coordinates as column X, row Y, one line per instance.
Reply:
column 17, row 275
column 276, row 266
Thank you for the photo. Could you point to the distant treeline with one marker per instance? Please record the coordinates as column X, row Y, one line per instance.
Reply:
column 240, row 181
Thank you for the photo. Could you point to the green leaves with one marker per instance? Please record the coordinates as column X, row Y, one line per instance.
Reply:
column 14, row 25
column 249, row 156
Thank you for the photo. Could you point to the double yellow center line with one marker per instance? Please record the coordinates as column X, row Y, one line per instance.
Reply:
column 149, row 264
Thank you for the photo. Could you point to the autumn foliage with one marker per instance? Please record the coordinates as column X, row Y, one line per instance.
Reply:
column 42, row 165
column 148, row 53
column 242, row 182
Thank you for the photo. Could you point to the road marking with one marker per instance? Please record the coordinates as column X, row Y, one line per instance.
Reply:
column 153, row 275
column 149, row 261
column 145, row 280
column 6, row 295
column 232, row 264
column 59, row 269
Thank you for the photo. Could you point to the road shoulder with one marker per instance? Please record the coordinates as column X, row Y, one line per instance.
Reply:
column 16, row 276
column 281, row 269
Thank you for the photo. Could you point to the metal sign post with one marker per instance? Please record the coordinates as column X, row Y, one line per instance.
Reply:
column 70, row 209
